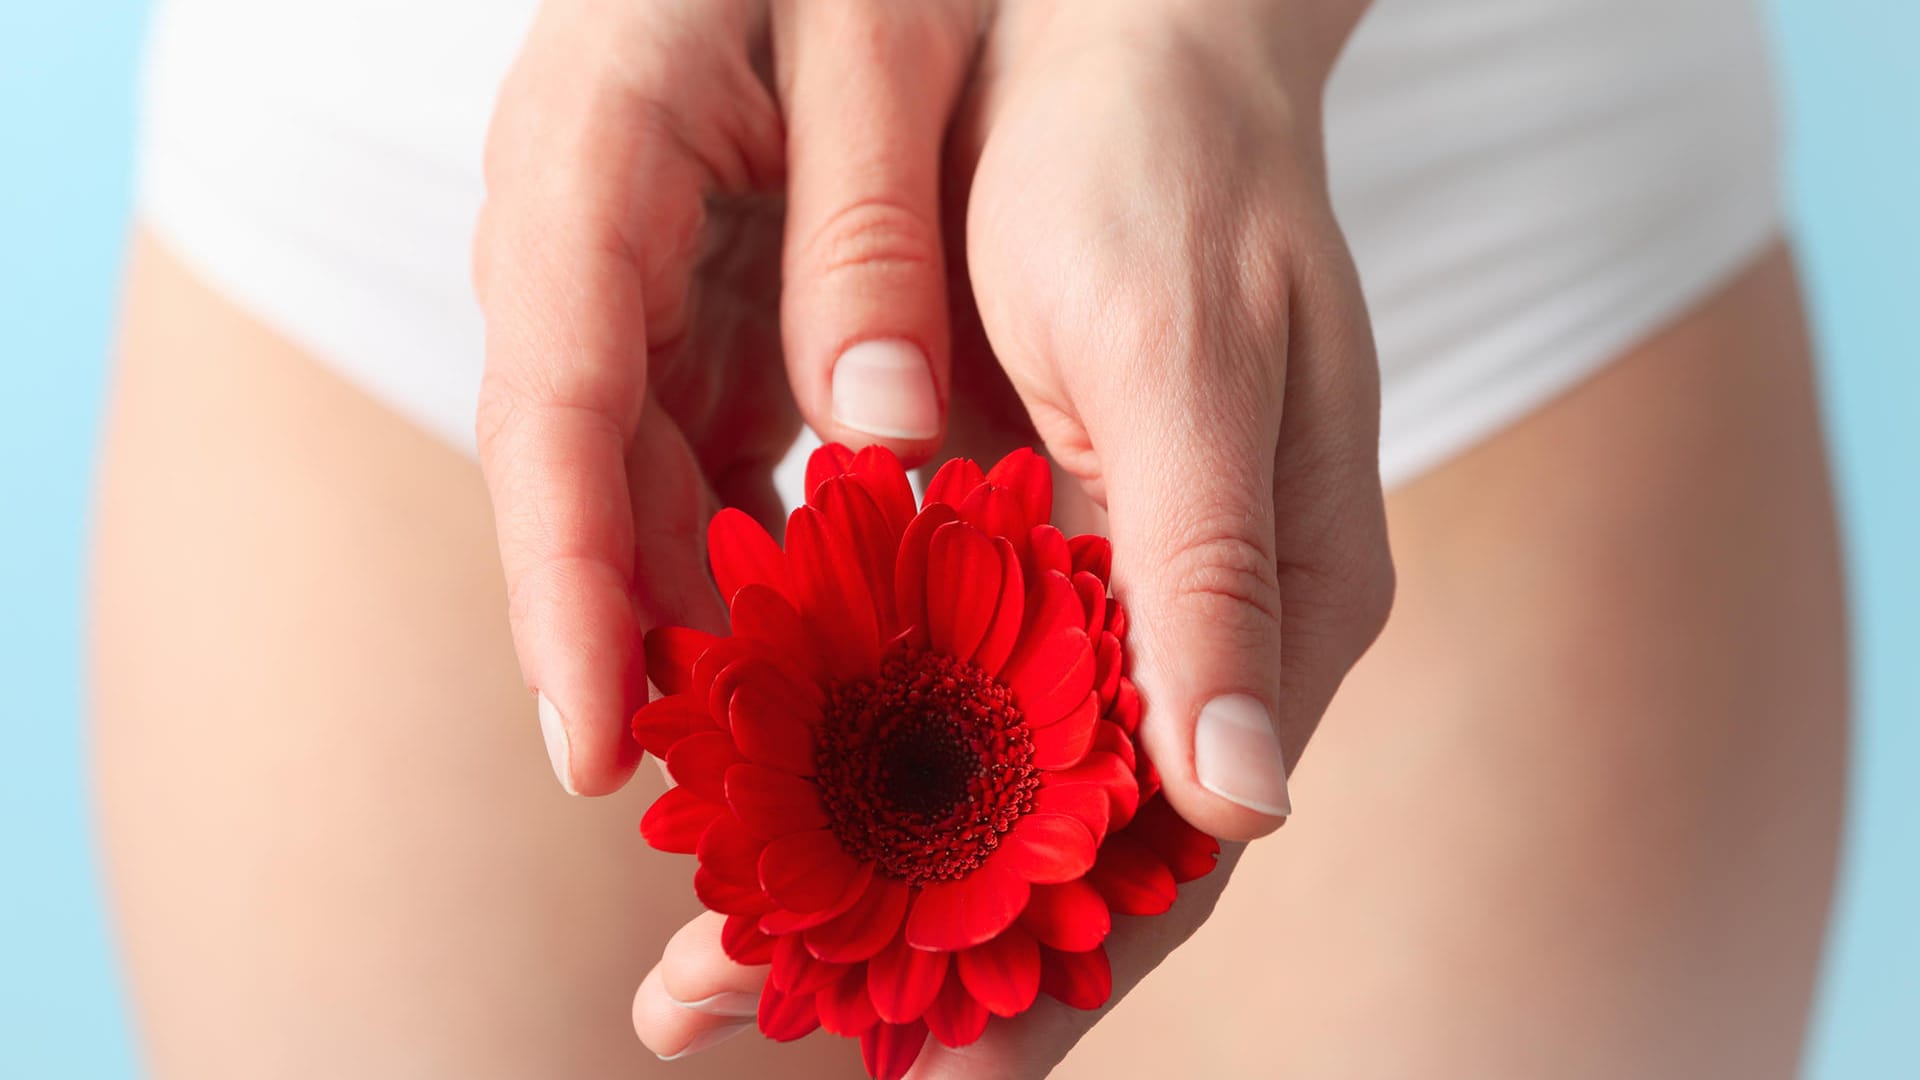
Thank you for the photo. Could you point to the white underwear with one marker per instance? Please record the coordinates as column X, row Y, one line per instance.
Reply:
column 1529, row 186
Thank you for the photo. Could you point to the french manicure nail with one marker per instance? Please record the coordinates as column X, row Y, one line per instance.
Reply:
column 724, row 1003
column 554, row 730
column 707, row 1040
column 1237, row 755
column 885, row 388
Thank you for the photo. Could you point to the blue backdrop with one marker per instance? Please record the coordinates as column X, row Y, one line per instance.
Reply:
column 1852, row 79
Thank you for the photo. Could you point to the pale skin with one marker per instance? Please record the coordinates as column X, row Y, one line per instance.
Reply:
column 1574, row 814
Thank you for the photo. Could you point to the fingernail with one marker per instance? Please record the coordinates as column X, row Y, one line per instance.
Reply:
column 1237, row 755
column 724, row 1003
column 559, row 752
column 707, row 1040
column 885, row 388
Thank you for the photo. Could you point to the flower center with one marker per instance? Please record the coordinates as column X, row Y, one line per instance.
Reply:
column 924, row 768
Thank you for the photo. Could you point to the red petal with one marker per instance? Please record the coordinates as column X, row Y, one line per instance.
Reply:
column 742, row 940
column 889, row 1050
column 825, row 463
column 1092, row 554
column 1093, row 601
column 866, row 927
column 955, row 1018
column 902, row 980
column 1188, row 852
column 1004, row 631
column 957, row 915
column 1047, row 548
column 1083, row 980
column 1126, row 706
column 764, row 615
column 731, row 851
column 1107, row 661
column 671, row 652
column 773, row 728
column 1029, row 479
column 1003, row 974
column 832, row 594
column 953, row 483
column 665, row 721
column 1109, row 773
column 727, row 897
column 718, row 660
column 1086, row 803
column 677, row 819
column 742, row 553
column 808, row 871
column 796, row 971
column 758, row 668
column 963, row 585
column 845, row 1008
column 910, row 569
column 1047, row 849
column 1131, row 879
column 699, row 763
column 785, row 1017
column 1052, row 606
column 1065, row 744
column 788, row 923
column 852, row 512
column 772, row 802
column 886, row 481
column 1116, row 618
column 1069, row 916
column 1052, row 680
column 997, row 513
column 1111, row 738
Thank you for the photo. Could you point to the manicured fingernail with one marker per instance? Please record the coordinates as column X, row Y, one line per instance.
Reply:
column 885, row 388
column 707, row 1040
column 725, row 1003
column 1237, row 755
column 554, row 729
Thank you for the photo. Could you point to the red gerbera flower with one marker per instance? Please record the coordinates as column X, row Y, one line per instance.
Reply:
column 909, row 774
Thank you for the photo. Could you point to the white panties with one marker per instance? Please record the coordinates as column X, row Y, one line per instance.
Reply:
column 1529, row 186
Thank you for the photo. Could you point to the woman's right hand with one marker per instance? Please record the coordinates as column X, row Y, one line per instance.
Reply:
column 630, row 263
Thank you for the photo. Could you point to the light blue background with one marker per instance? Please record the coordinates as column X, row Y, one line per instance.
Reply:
column 1852, row 78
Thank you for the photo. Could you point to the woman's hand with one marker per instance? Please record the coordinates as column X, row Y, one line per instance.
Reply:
column 1153, row 283
column 629, row 262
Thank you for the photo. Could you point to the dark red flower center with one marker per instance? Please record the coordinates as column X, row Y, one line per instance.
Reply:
column 924, row 768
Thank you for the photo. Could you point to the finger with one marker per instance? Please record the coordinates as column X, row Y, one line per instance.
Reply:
column 1336, row 570
column 1187, row 458
column 561, row 400
column 695, row 996
column 582, row 262
column 868, row 88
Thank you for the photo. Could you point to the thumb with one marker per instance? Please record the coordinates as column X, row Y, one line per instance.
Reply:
column 868, row 88
column 1192, row 521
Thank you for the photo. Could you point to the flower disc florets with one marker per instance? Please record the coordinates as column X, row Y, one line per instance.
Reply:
column 923, row 769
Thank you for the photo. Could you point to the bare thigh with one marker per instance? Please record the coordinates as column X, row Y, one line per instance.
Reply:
column 335, row 846
column 1576, row 814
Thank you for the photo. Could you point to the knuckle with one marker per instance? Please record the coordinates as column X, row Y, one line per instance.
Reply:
column 874, row 234
column 1227, row 576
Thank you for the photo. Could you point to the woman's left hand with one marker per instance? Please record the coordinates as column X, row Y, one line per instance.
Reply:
column 1153, row 285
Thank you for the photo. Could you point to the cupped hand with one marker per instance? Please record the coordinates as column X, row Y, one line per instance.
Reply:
column 1153, row 285
column 653, row 171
